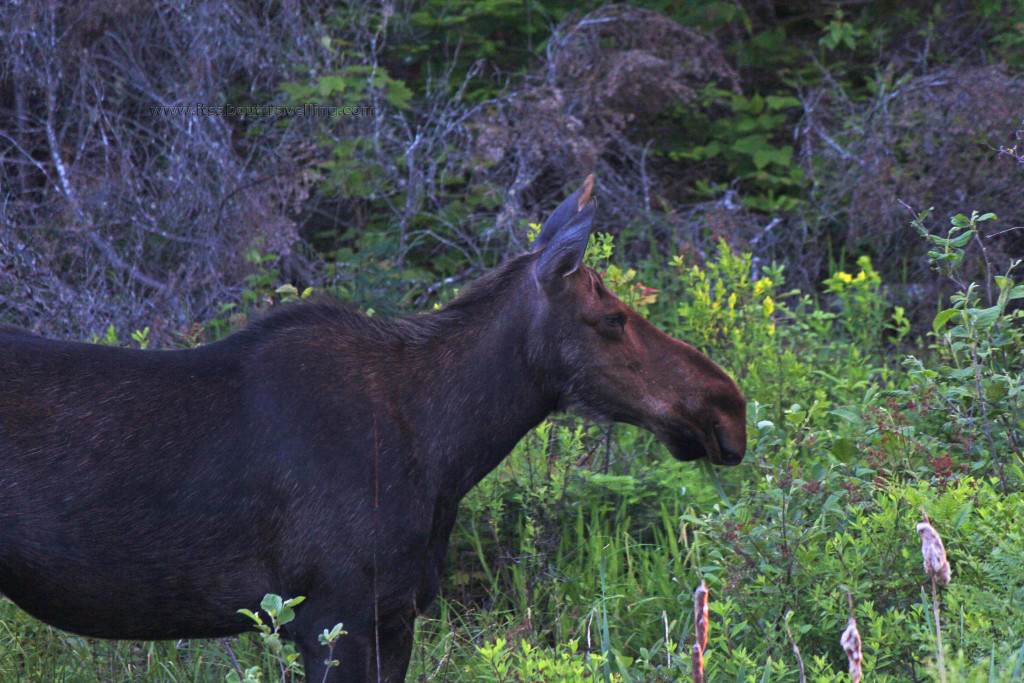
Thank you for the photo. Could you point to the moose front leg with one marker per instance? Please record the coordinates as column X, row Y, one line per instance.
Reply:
column 396, row 647
column 353, row 653
column 359, row 652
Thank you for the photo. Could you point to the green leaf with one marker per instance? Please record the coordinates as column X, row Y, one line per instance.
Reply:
column 850, row 415
column 985, row 318
column 398, row 93
column 252, row 615
column 716, row 483
column 272, row 604
column 624, row 663
column 296, row 91
column 961, row 241
column 1020, row 662
column 844, row 449
column 762, row 157
column 330, row 84
column 751, row 144
column 995, row 391
column 942, row 318
column 776, row 102
column 830, row 502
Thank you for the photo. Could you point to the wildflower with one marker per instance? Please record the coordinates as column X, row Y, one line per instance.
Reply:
column 645, row 290
column 850, row 640
column 768, row 305
column 844, row 277
column 763, row 285
column 533, row 229
column 870, row 273
column 732, row 301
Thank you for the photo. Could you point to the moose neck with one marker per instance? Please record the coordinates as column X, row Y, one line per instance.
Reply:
column 485, row 397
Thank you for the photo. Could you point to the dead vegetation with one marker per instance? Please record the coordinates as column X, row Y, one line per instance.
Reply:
column 607, row 77
column 115, row 210
column 923, row 141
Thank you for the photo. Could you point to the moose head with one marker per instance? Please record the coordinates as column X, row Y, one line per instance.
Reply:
column 615, row 365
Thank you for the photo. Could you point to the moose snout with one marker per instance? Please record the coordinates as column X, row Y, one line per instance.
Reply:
column 731, row 447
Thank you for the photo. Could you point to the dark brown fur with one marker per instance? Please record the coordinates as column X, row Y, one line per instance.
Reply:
column 319, row 452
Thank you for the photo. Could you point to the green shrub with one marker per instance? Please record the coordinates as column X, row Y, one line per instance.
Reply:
column 743, row 139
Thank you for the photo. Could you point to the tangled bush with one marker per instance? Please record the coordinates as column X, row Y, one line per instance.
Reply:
column 607, row 77
column 123, row 201
column 925, row 141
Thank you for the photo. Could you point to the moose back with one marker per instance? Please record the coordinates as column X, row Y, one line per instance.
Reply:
column 318, row 452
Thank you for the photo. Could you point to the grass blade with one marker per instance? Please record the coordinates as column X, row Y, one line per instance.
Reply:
column 1020, row 663
column 712, row 474
column 606, row 640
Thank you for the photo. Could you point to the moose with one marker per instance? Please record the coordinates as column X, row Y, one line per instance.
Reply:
column 317, row 452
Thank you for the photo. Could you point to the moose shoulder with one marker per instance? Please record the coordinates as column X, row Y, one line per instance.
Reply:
column 318, row 452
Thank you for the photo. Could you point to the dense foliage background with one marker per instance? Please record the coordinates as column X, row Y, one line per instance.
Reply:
column 765, row 173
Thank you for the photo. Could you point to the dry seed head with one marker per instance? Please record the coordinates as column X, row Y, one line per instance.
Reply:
column 700, row 627
column 935, row 563
column 700, row 614
column 850, row 641
column 697, row 663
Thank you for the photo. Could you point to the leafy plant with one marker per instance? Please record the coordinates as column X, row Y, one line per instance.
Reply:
column 465, row 35
column 280, row 613
column 978, row 380
column 747, row 142
column 864, row 308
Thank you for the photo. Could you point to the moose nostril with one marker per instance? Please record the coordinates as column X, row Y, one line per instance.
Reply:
column 730, row 458
column 729, row 453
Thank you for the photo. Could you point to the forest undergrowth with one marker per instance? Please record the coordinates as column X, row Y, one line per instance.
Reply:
column 755, row 165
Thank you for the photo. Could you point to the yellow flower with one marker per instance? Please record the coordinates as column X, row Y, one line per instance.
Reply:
column 762, row 286
column 768, row 306
column 845, row 277
column 732, row 301
column 860, row 276
column 533, row 229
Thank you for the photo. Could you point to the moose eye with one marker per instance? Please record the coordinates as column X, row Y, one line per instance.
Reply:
column 616, row 321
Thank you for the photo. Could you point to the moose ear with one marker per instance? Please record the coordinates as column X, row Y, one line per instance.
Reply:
column 565, row 211
column 563, row 254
